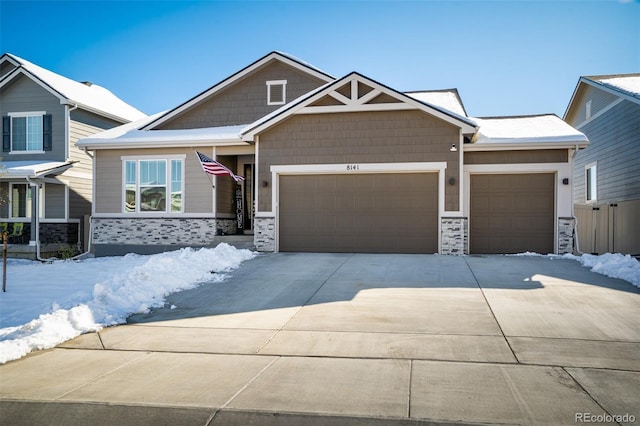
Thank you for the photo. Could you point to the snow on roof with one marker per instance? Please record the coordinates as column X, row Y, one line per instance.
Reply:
column 627, row 83
column 13, row 169
column 121, row 137
column 305, row 63
column 447, row 99
column 88, row 95
column 547, row 128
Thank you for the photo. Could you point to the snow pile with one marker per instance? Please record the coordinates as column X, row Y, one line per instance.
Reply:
column 613, row 265
column 47, row 304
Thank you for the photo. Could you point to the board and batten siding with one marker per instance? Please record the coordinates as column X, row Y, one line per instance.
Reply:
column 245, row 100
column 359, row 137
column 615, row 148
column 24, row 95
column 197, row 191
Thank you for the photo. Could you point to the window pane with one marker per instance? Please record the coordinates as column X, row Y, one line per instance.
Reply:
column 130, row 187
column 153, row 199
column 176, row 185
column 19, row 134
column 34, row 133
column 153, row 172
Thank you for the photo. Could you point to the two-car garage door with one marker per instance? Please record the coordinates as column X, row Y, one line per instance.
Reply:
column 369, row 213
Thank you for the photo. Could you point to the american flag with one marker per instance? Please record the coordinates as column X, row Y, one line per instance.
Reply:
column 212, row 167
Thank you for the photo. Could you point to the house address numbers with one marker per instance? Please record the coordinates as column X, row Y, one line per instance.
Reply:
column 351, row 167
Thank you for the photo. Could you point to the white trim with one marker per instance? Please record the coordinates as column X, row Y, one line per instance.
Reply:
column 154, row 157
column 587, row 167
column 283, row 84
column 518, row 146
column 156, row 216
column 314, row 169
column 26, row 113
column 351, row 107
column 354, row 168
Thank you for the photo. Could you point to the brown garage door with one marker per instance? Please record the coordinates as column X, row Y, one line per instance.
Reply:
column 512, row 213
column 367, row 213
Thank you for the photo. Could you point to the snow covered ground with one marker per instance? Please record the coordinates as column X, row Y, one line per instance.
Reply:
column 49, row 303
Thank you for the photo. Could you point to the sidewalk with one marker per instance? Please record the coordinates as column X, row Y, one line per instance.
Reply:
column 354, row 340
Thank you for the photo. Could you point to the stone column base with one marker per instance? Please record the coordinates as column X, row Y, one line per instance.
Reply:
column 455, row 235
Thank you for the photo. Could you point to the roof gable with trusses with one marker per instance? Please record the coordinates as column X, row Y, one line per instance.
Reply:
column 355, row 93
column 283, row 58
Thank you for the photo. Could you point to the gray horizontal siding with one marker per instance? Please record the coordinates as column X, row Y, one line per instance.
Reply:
column 23, row 95
column 599, row 100
column 616, row 149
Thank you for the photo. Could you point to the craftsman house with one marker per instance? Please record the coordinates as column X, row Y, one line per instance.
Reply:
column 333, row 165
column 606, row 175
column 45, row 180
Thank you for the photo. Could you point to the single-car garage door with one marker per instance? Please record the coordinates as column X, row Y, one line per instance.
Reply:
column 368, row 213
column 512, row 213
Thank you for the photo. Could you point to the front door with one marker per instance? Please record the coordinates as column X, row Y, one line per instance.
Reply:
column 248, row 196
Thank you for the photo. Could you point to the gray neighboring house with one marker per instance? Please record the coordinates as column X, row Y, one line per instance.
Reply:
column 333, row 165
column 607, row 174
column 43, row 115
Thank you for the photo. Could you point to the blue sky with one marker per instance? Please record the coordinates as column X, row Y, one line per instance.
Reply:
column 504, row 57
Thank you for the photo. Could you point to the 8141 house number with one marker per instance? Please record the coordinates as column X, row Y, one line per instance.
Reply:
column 353, row 166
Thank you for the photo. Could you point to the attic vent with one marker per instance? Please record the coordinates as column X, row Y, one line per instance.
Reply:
column 276, row 92
column 87, row 83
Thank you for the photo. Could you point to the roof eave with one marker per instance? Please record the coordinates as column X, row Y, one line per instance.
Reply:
column 525, row 145
column 96, row 144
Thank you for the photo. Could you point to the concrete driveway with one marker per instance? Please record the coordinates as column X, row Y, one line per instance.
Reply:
column 355, row 339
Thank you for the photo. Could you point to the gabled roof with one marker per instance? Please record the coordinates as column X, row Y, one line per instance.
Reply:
column 356, row 101
column 626, row 86
column 90, row 97
column 447, row 99
column 282, row 57
column 525, row 132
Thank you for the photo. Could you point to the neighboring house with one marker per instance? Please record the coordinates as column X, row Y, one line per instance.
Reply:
column 333, row 165
column 606, row 175
column 42, row 170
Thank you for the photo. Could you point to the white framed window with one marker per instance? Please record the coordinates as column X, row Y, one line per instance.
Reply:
column 26, row 132
column 587, row 110
column 276, row 92
column 591, row 182
column 153, row 185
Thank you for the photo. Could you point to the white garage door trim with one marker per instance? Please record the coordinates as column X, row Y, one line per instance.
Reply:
column 563, row 194
column 355, row 168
